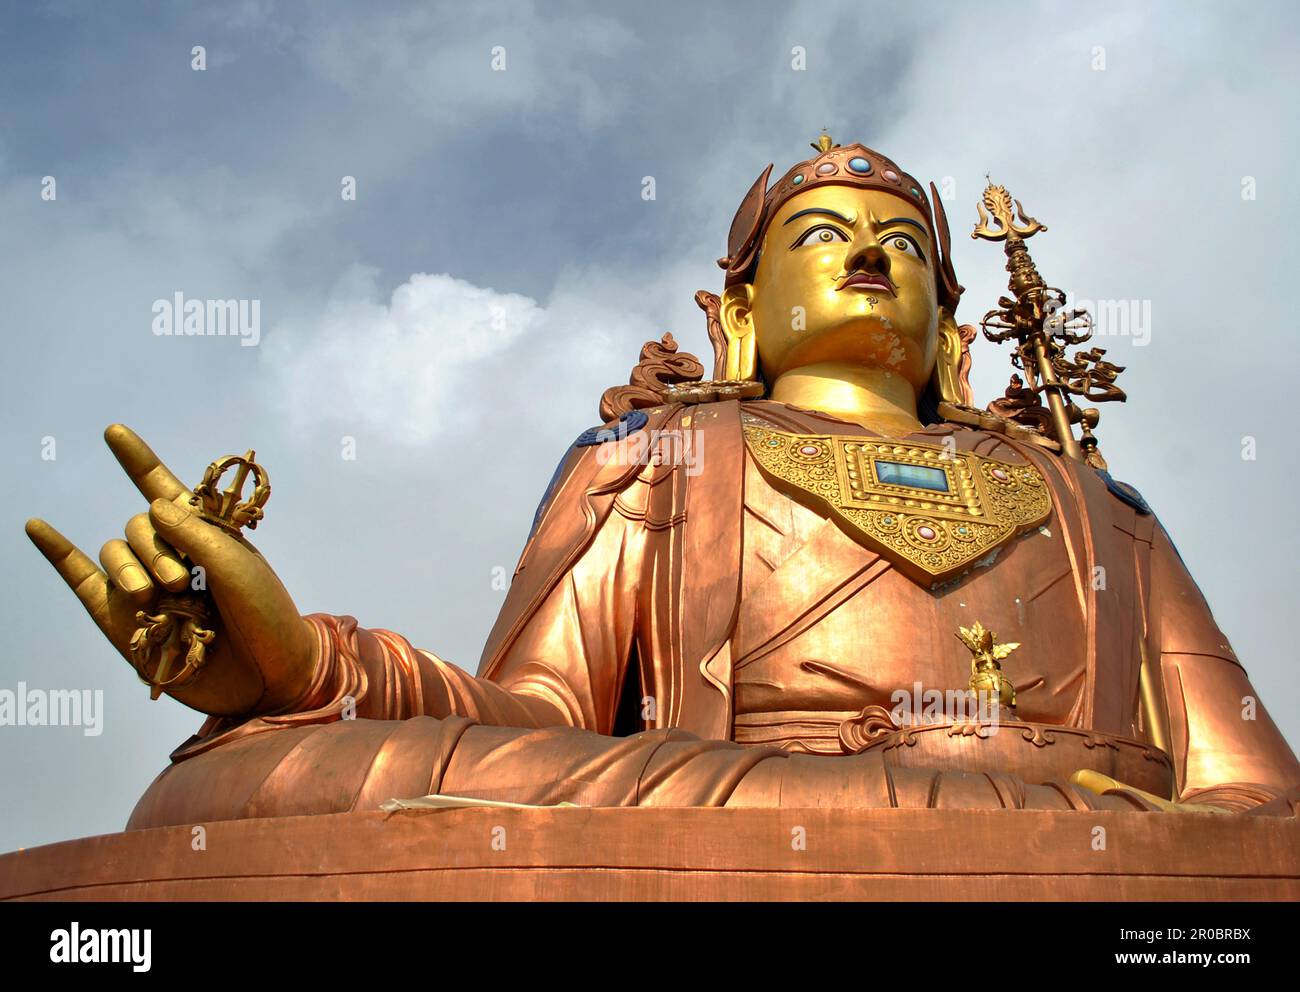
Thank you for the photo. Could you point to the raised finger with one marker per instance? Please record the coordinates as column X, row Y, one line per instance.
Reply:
column 146, row 470
column 125, row 571
column 75, row 567
column 159, row 557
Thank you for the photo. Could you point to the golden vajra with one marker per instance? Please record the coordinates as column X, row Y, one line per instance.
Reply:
column 1036, row 317
column 180, row 627
column 985, row 667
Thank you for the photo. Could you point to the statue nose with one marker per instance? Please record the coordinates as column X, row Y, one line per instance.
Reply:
column 871, row 257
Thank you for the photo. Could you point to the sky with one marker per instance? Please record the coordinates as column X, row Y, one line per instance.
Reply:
column 499, row 267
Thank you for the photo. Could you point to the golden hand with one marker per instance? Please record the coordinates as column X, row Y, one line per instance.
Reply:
column 264, row 653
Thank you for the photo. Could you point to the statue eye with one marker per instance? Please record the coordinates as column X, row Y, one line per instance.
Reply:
column 824, row 235
column 903, row 243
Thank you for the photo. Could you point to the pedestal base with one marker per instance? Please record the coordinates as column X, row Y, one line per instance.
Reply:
column 678, row 854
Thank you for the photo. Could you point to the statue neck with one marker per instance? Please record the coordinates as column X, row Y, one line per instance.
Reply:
column 879, row 400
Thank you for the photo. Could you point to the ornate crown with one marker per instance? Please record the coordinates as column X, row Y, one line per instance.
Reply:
column 835, row 165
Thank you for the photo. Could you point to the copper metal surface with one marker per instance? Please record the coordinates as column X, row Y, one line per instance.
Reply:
column 749, row 627
column 876, row 855
column 689, row 626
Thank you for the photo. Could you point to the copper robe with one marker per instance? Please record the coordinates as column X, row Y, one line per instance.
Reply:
column 680, row 632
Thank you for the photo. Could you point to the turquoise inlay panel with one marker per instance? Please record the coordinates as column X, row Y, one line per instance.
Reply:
column 916, row 476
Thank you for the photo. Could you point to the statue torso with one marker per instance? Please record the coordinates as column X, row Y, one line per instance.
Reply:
column 751, row 613
column 836, row 651
column 827, row 626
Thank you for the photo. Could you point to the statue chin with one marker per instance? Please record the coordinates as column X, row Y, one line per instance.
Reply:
column 872, row 344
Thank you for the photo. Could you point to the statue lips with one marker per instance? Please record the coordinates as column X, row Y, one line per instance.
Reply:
column 868, row 280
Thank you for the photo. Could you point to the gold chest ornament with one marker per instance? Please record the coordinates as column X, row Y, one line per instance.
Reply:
column 931, row 510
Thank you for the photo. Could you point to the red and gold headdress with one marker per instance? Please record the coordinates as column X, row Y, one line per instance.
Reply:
column 835, row 165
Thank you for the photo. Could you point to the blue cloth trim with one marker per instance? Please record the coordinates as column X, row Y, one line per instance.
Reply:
column 1125, row 492
column 629, row 423
column 1134, row 499
column 549, row 492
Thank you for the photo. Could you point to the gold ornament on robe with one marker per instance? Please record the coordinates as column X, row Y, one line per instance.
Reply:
column 933, row 511
column 985, row 667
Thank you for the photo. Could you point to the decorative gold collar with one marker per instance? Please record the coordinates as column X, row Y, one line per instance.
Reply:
column 931, row 510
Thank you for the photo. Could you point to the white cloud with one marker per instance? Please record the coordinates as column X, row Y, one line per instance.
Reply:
column 443, row 355
column 404, row 367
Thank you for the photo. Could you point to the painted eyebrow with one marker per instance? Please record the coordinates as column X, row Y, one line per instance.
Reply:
column 818, row 210
column 903, row 220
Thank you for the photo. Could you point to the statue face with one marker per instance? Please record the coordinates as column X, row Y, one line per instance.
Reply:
column 846, row 275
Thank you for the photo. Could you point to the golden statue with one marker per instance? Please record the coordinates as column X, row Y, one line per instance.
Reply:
column 731, row 585
column 986, row 663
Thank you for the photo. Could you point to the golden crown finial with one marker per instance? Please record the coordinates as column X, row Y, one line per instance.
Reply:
column 229, row 509
column 824, row 143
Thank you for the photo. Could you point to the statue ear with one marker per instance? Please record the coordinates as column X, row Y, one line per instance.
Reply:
column 736, row 317
column 951, row 379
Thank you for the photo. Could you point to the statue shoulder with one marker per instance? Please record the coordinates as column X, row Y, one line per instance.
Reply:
column 602, row 454
column 618, row 429
column 973, row 419
column 1125, row 493
column 988, row 422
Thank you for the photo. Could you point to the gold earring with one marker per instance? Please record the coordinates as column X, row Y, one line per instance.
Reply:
column 737, row 323
column 952, row 367
column 735, row 366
